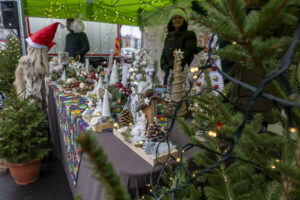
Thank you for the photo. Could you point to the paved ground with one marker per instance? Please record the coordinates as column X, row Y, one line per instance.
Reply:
column 52, row 185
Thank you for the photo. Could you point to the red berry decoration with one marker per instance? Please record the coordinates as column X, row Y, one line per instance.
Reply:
column 216, row 87
column 198, row 84
column 213, row 68
column 118, row 85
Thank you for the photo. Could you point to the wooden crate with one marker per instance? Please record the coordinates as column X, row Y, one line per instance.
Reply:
column 141, row 152
column 101, row 127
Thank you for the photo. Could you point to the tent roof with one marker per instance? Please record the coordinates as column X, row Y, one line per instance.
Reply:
column 110, row 11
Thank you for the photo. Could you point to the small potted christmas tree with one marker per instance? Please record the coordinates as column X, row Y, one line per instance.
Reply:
column 23, row 142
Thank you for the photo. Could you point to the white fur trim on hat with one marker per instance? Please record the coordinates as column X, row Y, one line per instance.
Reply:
column 35, row 45
column 179, row 12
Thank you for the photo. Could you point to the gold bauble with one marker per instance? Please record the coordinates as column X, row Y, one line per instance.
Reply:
column 110, row 120
column 215, row 78
column 138, row 144
column 116, row 125
column 130, row 124
column 99, row 114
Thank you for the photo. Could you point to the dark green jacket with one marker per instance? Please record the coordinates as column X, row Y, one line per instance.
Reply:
column 77, row 44
column 184, row 40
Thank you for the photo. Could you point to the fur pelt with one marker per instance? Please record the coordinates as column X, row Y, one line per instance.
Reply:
column 31, row 72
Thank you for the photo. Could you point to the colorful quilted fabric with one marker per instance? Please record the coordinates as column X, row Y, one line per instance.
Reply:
column 70, row 108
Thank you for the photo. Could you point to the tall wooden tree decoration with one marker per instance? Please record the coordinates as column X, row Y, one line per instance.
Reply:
column 177, row 92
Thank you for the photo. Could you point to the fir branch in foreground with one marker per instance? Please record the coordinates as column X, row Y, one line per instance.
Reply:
column 103, row 169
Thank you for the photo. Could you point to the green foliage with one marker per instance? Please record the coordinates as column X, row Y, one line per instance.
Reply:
column 9, row 61
column 103, row 170
column 272, row 167
column 22, row 130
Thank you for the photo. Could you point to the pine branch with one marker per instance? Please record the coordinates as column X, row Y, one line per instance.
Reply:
column 226, row 181
column 103, row 169
column 264, row 24
column 218, row 31
column 237, row 9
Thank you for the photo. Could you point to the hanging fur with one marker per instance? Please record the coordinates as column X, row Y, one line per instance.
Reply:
column 31, row 72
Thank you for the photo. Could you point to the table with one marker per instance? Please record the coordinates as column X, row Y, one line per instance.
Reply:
column 134, row 172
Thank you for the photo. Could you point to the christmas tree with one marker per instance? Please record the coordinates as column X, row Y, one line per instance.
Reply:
column 243, row 159
column 9, row 61
column 177, row 86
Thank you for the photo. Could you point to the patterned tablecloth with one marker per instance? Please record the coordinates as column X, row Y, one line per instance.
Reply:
column 70, row 108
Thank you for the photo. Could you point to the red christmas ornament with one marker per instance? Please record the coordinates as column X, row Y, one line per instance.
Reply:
column 198, row 84
column 131, row 66
column 208, row 61
column 219, row 125
column 205, row 50
column 216, row 87
column 123, row 89
column 127, row 93
column 213, row 68
column 208, row 37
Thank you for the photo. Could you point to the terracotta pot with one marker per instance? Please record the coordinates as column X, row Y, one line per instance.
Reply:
column 25, row 173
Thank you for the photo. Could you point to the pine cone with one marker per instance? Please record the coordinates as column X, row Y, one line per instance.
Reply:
column 125, row 118
column 155, row 133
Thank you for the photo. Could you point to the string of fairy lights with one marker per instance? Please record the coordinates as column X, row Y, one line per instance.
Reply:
column 278, row 72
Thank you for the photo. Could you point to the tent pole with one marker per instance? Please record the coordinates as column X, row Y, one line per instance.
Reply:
column 22, row 30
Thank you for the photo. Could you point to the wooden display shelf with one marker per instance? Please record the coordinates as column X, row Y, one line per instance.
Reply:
column 151, row 160
column 101, row 127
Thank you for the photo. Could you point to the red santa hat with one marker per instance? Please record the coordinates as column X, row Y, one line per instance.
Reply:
column 43, row 38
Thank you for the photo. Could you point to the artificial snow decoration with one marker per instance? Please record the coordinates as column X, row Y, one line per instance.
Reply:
column 143, row 86
column 139, row 129
column 147, row 101
column 151, row 147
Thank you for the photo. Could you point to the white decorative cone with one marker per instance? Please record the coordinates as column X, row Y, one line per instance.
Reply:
column 105, row 108
column 63, row 76
column 124, row 74
column 87, row 63
column 114, row 74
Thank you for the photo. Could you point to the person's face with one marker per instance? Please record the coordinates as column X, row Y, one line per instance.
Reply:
column 69, row 22
column 177, row 21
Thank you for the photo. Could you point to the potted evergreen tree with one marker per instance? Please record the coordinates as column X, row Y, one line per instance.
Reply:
column 23, row 142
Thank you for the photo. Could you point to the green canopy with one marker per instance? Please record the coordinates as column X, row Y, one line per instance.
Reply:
column 127, row 12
